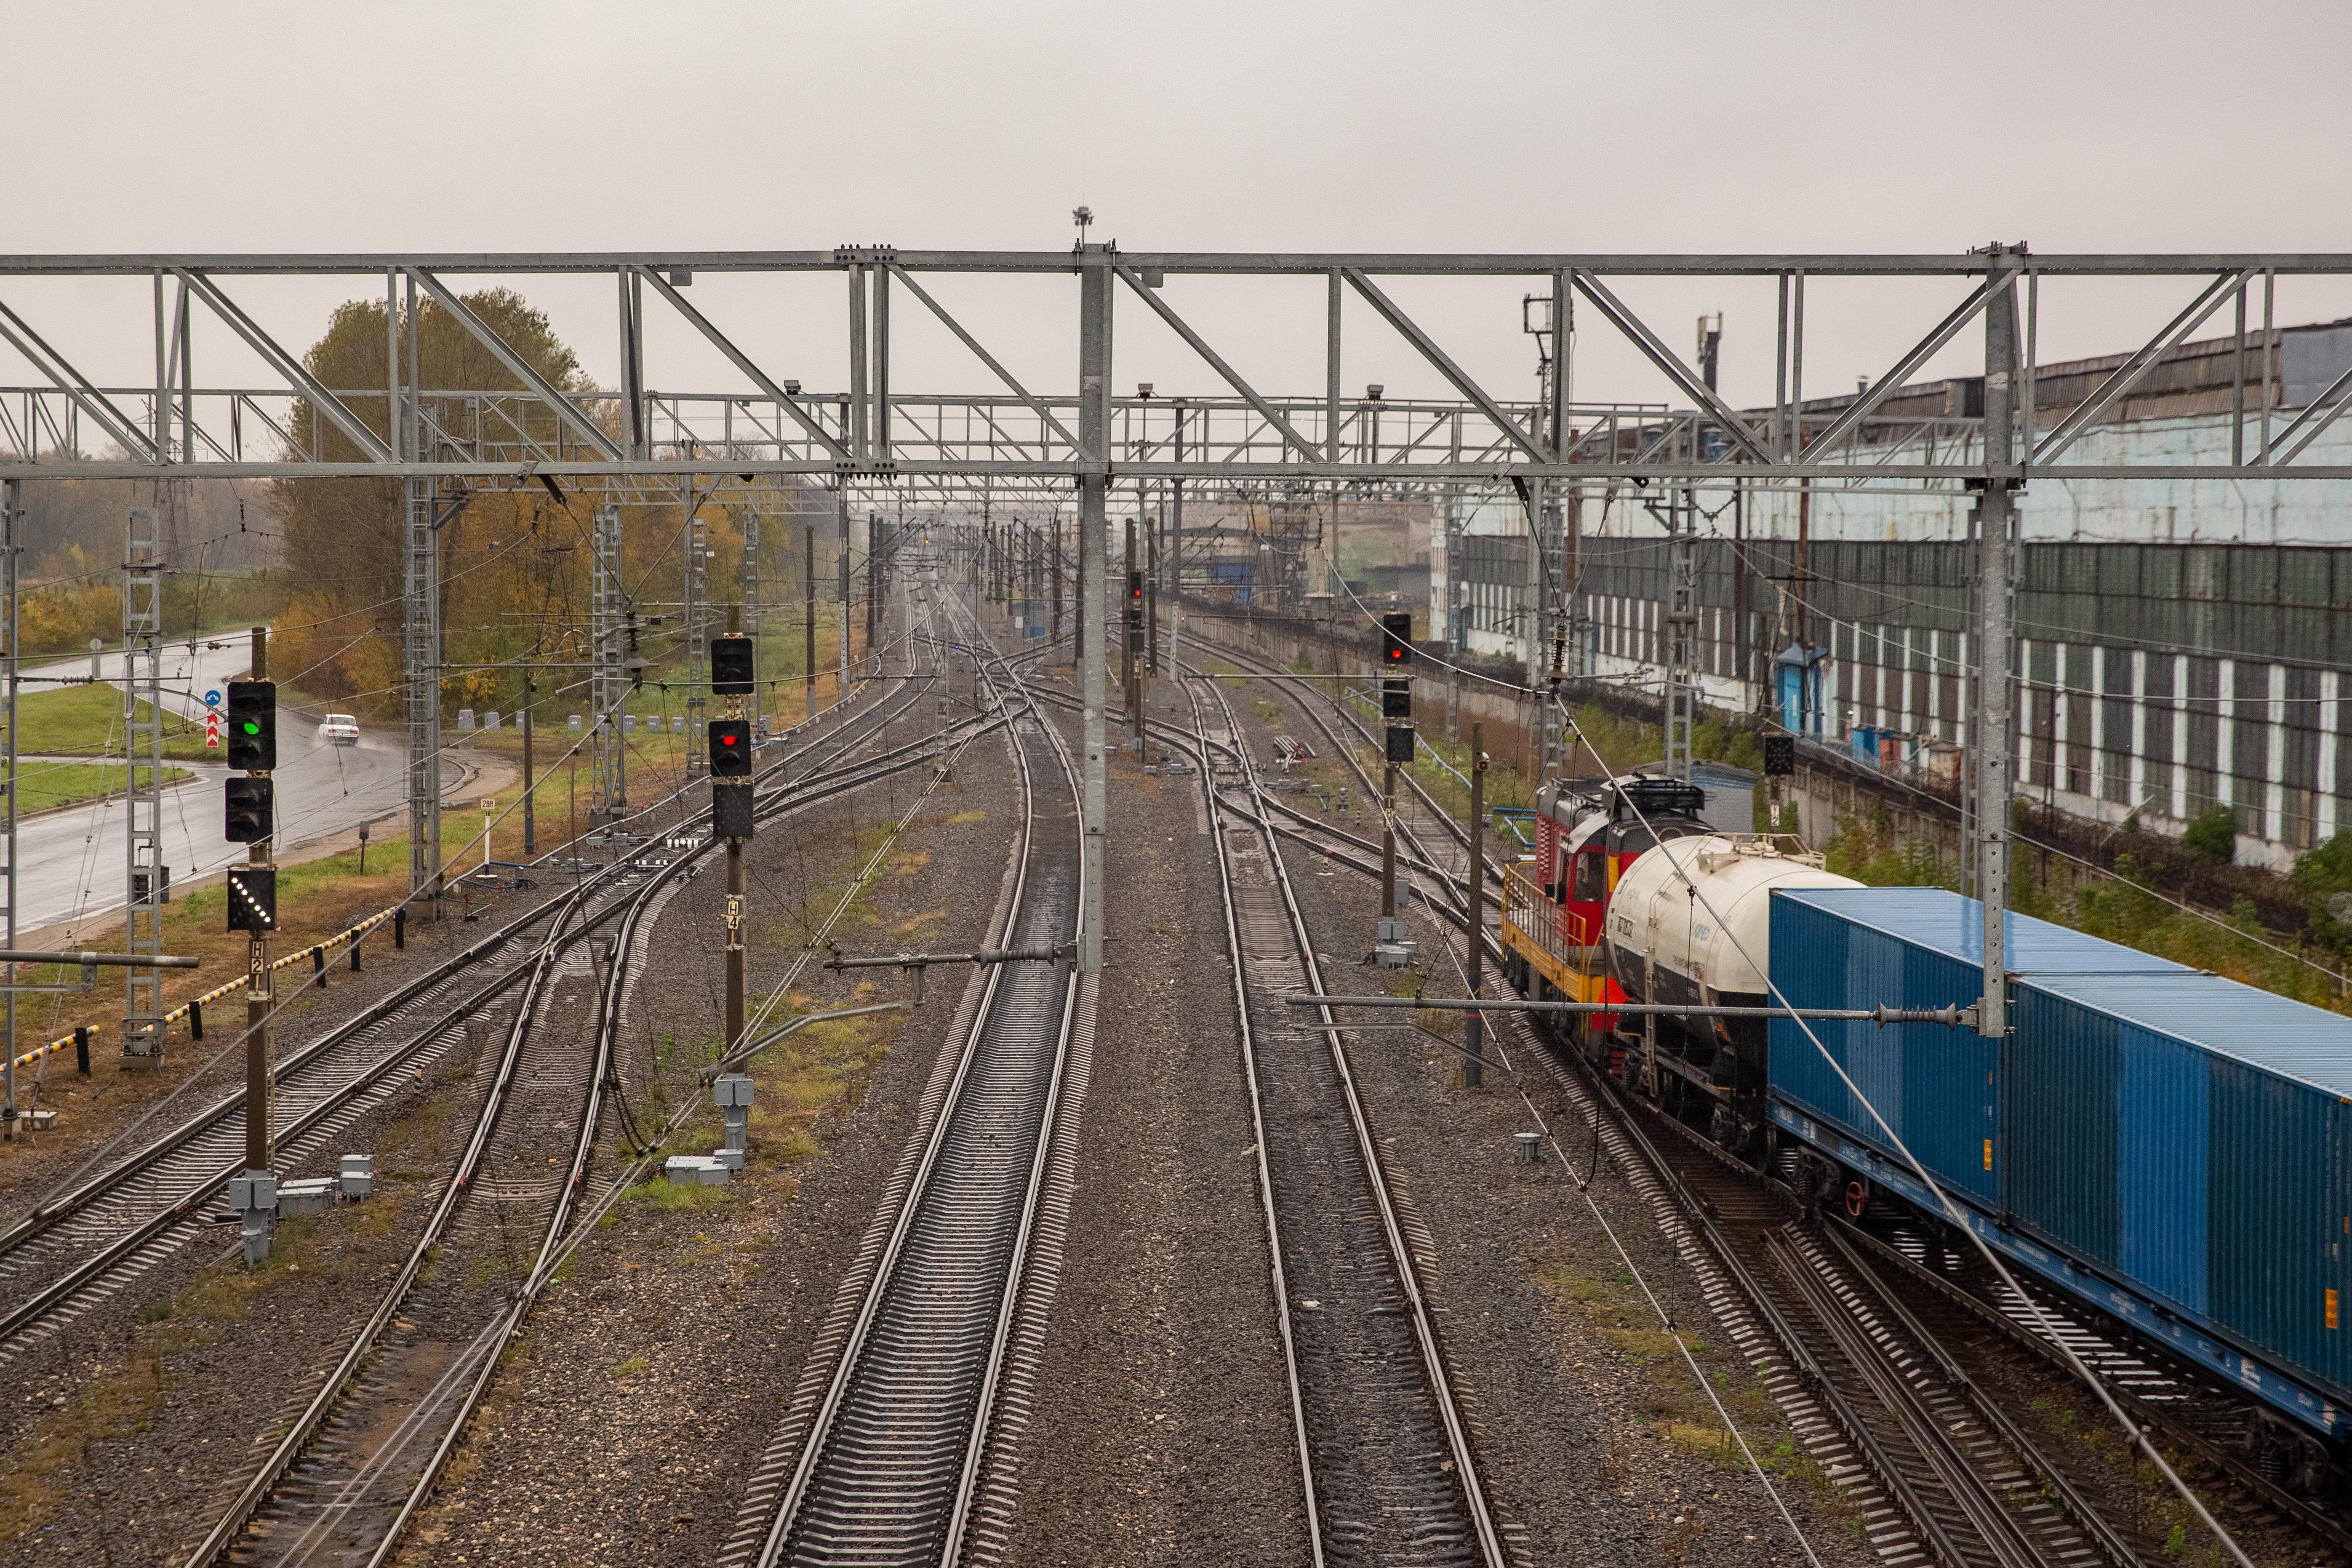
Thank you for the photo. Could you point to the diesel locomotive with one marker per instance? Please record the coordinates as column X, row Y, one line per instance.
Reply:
column 1606, row 912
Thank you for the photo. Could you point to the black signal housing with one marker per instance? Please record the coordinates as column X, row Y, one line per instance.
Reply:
column 730, row 749
column 732, row 669
column 249, row 805
column 252, row 726
column 1396, row 638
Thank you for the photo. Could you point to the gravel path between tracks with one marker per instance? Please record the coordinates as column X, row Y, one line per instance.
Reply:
column 653, row 1376
column 1590, row 1432
column 1163, row 1432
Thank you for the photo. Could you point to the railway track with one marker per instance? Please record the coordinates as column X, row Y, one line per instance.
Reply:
column 84, row 1245
column 1958, row 1300
column 1386, row 1458
column 353, row 1468
column 884, row 1455
column 1973, row 1489
column 1940, row 1471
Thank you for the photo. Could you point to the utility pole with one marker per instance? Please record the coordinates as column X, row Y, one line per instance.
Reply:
column 608, row 686
column 1174, row 566
column 144, row 869
column 808, row 572
column 11, row 528
column 841, row 494
column 1682, row 624
column 752, row 597
column 691, row 590
column 1474, row 1033
column 420, row 609
column 1390, row 949
column 874, row 536
column 530, row 773
column 1131, row 629
column 1995, row 729
column 1094, row 485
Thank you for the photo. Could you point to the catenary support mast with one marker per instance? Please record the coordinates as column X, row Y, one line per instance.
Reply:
column 142, row 801
column 1996, row 732
column 1094, row 540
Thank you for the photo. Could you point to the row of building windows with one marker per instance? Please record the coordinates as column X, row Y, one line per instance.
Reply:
column 2167, row 733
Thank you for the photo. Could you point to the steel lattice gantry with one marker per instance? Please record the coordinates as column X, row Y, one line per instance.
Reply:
column 58, row 421
column 55, row 420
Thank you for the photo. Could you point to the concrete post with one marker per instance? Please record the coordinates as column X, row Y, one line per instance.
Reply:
column 1094, row 541
column 1995, row 726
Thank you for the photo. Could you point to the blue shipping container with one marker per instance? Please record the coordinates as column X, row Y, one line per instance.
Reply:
column 1917, row 947
column 2185, row 1134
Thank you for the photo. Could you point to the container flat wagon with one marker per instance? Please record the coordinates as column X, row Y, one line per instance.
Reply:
column 2164, row 1143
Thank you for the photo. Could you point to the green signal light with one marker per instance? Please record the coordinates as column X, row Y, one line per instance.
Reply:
column 251, row 727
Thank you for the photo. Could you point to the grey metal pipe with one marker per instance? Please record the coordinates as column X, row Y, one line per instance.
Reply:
column 102, row 960
column 984, row 955
column 734, row 1061
column 1954, row 1016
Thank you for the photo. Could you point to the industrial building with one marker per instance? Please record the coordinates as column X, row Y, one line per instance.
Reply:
column 2180, row 641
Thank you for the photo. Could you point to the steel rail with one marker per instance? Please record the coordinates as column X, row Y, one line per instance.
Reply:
column 1467, row 1483
column 43, row 1216
column 2085, row 1514
column 26, row 1315
column 297, row 1436
column 1863, row 1438
column 2158, row 1414
column 793, row 798
column 1214, row 805
column 938, row 1529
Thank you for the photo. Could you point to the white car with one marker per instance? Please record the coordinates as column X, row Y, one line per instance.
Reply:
column 340, row 729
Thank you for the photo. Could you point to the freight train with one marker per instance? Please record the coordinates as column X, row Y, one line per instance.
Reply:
column 2167, row 1146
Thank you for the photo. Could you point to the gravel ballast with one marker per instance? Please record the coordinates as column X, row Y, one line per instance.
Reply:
column 1162, row 1430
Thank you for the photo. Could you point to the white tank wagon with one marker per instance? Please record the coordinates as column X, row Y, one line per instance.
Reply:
column 1669, row 945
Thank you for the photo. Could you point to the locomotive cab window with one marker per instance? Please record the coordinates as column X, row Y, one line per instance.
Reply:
column 1585, row 886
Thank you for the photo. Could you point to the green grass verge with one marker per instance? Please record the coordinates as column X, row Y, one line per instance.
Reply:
column 41, row 786
column 87, row 721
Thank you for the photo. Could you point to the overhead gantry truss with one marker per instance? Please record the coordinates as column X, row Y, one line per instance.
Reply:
column 58, row 421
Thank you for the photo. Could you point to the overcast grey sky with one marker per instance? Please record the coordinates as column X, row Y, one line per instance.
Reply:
column 1371, row 126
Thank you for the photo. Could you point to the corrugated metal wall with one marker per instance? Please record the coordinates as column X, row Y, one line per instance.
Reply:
column 2160, row 678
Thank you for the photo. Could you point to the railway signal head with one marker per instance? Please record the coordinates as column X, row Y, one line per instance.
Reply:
column 249, row 801
column 1396, row 638
column 1400, row 745
column 253, row 899
column 1780, row 756
column 252, row 726
column 730, row 749
column 731, row 672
